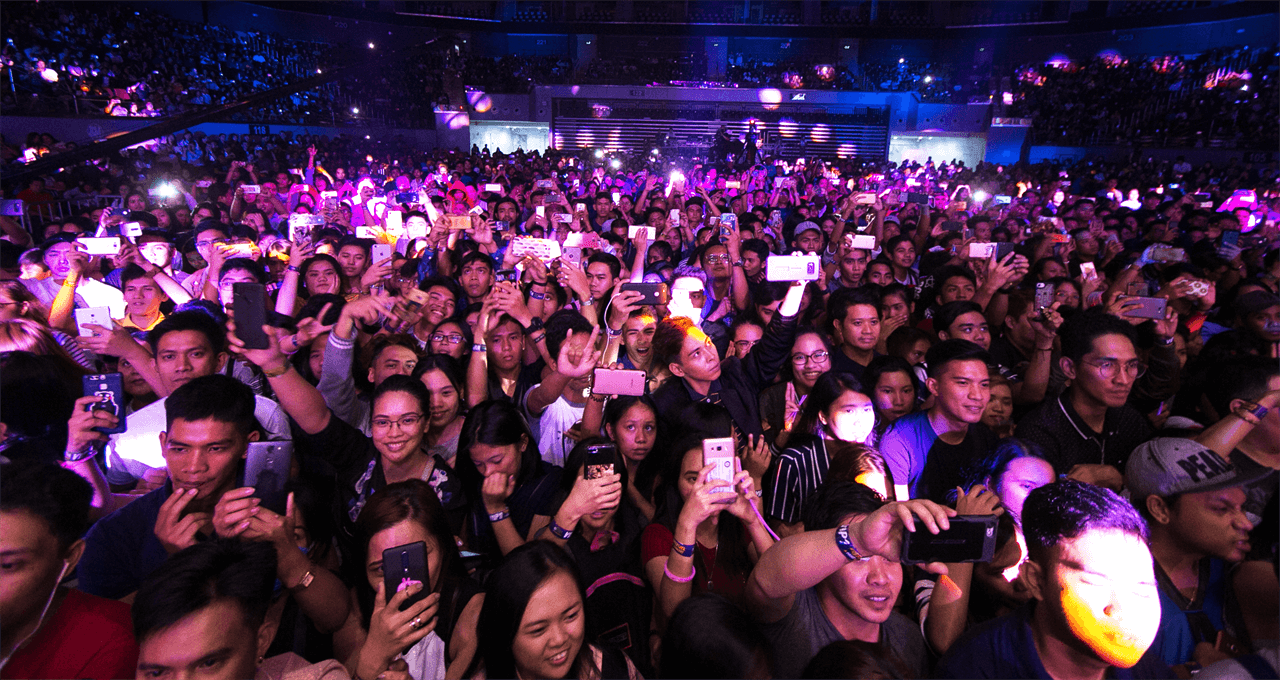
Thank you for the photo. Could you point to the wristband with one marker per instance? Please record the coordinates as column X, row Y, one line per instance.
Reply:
column 479, row 347
column 535, row 295
column 292, row 268
column 682, row 549
column 70, row 456
column 277, row 373
column 559, row 531
column 534, row 325
column 538, row 337
column 496, row 517
column 845, row 544
column 612, row 333
column 693, row 571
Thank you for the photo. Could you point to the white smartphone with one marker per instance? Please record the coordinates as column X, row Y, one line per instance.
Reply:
column 381, row 252
column 495, row 188
column 862, row 242
column 92, row 316
column 100, row 245
column 651, row 233
column 394, row 223
column 719, row 452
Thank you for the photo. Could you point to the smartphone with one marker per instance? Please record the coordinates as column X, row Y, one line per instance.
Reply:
column 102, row 245
column 1003, row 200
column 380, row 252
column 479, row 208
column 131, row 230
column 1088, row 270
column 459, row 222
column 864, row 199
column 507, row 275
column 960, row 205
column 417, row 298
column 573, row 255
column 654, row 293
column 600, row 460
column 793, row 268
column 251, row 189
column 971, row 538
column 673, row 218
column 1059, row 238
column 493, row 188
column 1164, row 253
column 719, row 452
column 249, row 250
column 540, row 210
column 1044, row 295
column 618, row 382
column 266, row 469
column 651, row 233
column 249, row 302
column 579, row 207
column 545, row 249
column 1230, row 238
column 617, row 197
column 403, row 566
column 981, row 251
column 394, row 223
column 564, row 218
column 732, row 184
column 111, row 386
column 913, row 197
column 860, row 241
column 1150, row 308
column 93, row 316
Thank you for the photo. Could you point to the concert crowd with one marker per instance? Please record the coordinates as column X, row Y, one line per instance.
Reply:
column 287, row 407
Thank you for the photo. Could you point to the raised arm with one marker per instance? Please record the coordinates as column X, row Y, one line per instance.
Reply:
column 297, row 397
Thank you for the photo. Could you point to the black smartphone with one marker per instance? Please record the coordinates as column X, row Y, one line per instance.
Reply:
column 111, row 386
column 971, row 538
column 654, row 293
column 249, row 302
column 1003, row 249
column 508, row 275
column 402, row 566
column 266, row 469
column 600, row 458
column 1230, row 238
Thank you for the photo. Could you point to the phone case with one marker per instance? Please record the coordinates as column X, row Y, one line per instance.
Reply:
column 619, row 382
column 110, row 385
column 971, row 538
column 402, row 566
column 266, row 469
column 719, row 452
column 654, row 293
column 1151, row 308
column 380, row 252
column 249, row 301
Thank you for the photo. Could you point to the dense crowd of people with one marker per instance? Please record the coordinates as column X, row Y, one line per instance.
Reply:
column 334, row 408
column 1224, row 97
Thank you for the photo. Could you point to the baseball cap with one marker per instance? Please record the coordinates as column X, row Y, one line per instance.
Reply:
column 1256, row 301
column 807, row 226
column 1169, row 466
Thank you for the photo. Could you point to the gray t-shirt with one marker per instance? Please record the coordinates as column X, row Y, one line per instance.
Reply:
column 805, row 630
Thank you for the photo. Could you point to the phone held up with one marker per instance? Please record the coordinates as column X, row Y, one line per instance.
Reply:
column 403, row 566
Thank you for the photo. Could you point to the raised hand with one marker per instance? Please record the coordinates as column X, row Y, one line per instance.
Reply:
column 391, row 631
column 80, row 427
column 231, row 514
column 565, row 365
column 592, row 495
column 703, row 501
column 978, row 501
column 175, row 531
column 495, row 491
column 880, row 533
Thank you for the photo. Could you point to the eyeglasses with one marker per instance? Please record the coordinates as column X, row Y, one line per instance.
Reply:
column 206, row 244
column 817, row 357
column 716, row 259
column 1108, row 368
column 744, row 346
column 452, row 338
column 405, row 422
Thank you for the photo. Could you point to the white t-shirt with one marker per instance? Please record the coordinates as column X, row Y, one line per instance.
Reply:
column 89, row 293
column 555, row 422
column 131, row 453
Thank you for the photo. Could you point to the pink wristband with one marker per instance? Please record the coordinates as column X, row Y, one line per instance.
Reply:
column 680, row 579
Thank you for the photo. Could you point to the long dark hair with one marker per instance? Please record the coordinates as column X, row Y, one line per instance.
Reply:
column 303, row 291
column 731, row 541
column 507, row 595
column 451, row 370
column 825, row 392
column 649, row 469
column 411, row 500
column 494, row 422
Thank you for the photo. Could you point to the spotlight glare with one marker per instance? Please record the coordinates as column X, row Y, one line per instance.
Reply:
column 355, row 111
column 370, row 45
column 615, row 164
column 980, row 196
column 599, row 153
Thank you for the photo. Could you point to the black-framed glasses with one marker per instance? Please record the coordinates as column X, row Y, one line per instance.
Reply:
column 1108, row 368
column 451, row 338
column 817, row 357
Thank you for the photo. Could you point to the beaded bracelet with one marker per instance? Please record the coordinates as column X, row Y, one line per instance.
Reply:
column 666, row 570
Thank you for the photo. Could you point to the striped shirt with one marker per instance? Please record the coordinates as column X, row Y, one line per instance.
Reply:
column 795, row 475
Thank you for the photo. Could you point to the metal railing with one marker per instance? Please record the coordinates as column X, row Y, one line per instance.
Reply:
column 29, row 214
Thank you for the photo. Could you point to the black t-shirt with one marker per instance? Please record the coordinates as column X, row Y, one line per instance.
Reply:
column 948, row 465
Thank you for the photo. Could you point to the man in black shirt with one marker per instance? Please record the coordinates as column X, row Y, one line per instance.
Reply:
column 1089, row 430
column 700, row 375
column 854, row 316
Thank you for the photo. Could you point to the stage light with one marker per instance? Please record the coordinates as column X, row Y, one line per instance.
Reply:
column 615, row 164
column 50, row 75
column 928, row 79
column 655, row 152
column 902, row 60
column 788, row 127
column 355, row 111
column 770, row 98
column 319, row 71
column 370, row 45
column 599, row 153
column 820, row 133
column 366, row 136
column 980, row 196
